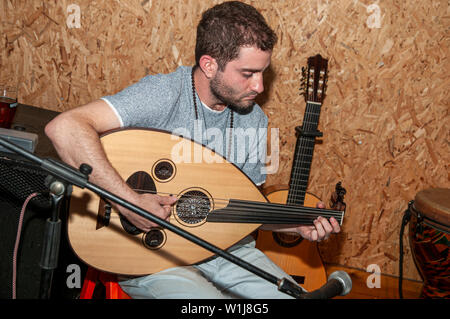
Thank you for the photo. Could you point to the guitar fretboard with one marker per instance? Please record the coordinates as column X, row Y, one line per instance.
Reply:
column 303, row 155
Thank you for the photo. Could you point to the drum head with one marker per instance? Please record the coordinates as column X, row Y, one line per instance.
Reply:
column 433, row 204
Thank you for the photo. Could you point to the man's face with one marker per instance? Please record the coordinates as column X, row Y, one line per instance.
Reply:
column 242, row 79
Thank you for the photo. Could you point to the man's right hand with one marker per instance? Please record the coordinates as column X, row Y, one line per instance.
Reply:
column 158, row 205
column 75, row 136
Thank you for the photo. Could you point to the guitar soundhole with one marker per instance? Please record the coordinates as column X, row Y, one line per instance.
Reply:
column 193, row 207
column 286, row 240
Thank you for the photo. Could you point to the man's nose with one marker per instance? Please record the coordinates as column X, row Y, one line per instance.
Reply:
column 257, row 84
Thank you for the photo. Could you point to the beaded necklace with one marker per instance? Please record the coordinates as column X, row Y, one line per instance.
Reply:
column 230, row 136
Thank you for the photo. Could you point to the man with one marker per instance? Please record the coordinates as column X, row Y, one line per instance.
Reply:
column 234, row 47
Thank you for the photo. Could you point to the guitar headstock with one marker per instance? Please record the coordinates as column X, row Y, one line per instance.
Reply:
column 314, row 79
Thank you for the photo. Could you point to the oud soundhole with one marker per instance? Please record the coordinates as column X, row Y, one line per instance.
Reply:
column 286, row 240
column 163, row 170
column 193, row 207
column 141, row 182
column 154, row 239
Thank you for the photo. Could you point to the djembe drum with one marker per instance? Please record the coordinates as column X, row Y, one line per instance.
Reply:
column 429, row 238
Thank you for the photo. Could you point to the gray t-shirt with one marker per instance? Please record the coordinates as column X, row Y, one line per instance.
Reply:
column 165, row 101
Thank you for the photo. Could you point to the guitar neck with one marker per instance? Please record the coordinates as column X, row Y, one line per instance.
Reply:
column 304, row 150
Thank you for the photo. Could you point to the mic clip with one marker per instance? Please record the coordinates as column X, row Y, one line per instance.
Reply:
column 290, row 288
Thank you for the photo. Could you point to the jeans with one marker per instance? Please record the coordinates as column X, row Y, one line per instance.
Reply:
column 216, row 278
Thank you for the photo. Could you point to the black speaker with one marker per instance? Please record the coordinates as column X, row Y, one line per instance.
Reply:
column 18, row 179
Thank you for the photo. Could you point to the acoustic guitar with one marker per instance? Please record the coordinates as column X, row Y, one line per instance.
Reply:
column 300, row 258
column 216, row 202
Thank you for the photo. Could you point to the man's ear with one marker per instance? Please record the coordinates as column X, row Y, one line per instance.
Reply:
column 208, row 65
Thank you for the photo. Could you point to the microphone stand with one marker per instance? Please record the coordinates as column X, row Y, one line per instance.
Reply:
column 67, row 175
column 52, row 236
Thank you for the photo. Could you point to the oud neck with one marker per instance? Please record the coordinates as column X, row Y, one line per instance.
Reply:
column 244, row 211
column 304, row 150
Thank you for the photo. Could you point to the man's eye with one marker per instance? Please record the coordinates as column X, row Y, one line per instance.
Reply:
column 247, row 75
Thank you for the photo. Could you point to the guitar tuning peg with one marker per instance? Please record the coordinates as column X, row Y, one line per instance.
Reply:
column 302, row 87
column 302, row 91
column 303, row 71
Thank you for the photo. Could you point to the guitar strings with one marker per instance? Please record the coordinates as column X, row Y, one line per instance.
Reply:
column 297, row 192
column 295, row 188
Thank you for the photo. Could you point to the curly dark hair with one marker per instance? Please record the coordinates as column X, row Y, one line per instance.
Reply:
column 227, row 27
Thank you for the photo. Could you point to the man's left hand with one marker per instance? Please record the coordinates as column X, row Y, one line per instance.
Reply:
column 322, row 228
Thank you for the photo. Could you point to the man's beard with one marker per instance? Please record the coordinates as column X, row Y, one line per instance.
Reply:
column 228, row 96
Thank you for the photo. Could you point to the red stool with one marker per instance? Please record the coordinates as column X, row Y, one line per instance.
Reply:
column 113, row 290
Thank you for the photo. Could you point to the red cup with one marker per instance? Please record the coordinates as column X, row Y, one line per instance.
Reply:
column 8, row 105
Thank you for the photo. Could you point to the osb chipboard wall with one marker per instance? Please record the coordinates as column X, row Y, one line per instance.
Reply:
column 385, row 119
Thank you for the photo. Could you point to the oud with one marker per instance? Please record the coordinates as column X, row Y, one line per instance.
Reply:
column 216, row 202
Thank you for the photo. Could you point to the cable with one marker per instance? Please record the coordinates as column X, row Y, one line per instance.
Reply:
column 16, row 245
column 405, row 220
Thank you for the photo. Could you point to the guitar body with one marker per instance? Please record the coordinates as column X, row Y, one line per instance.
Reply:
column 150, row 155
column 303, row 258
